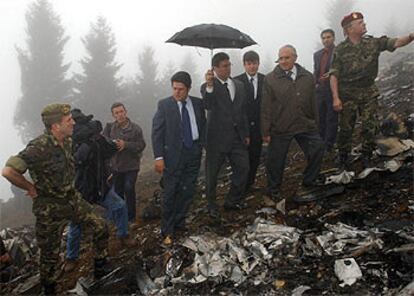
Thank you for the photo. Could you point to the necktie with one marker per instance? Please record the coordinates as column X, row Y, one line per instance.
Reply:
column 289, row 75
column 227, row 89
column 186, row 126
column 252, row 88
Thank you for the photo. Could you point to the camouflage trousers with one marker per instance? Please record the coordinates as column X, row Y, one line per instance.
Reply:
column 365, row 105
column 52, row 216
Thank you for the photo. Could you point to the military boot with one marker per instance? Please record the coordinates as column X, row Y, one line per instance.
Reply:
column 343, row 162
column 48, row 288
column 127, row 242
column 366, row 160
column 102, row 268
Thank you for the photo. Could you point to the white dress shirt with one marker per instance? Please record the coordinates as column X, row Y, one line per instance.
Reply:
column 294, row 72
column 193, row 121
column 230, row 86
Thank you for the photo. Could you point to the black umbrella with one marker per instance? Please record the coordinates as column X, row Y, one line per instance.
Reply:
column 212, row 36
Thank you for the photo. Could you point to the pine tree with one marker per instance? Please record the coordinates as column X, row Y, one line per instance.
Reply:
column 165, row 81
column 43, row 71
column 98, row 87
column 148, row 92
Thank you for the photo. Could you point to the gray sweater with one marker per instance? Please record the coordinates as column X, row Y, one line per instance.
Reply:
column 129, row 158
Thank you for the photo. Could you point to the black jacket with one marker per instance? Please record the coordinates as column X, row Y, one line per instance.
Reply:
column 225, row 116
column 253, row 105
column 92, row 152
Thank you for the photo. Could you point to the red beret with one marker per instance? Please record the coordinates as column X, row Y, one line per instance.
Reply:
column 351, row 17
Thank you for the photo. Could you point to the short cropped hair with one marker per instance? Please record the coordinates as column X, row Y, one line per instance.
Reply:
column 182, row 77
column 328, row 31
column 116, row 105
column 219, row 57
column 290, row 47
column 251, row 56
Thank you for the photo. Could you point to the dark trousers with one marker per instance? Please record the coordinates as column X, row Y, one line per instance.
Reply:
column 255, row 150
column 311, row 144
column 125, row 187
column 178, row 189
column 328, row 118
column 239, row 162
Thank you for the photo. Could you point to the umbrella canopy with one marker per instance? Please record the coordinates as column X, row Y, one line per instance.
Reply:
column 212, row 36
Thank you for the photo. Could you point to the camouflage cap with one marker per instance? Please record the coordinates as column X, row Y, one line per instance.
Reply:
column 54, row 112
column 351, row 17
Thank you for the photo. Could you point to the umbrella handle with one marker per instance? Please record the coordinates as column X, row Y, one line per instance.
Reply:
column 211, row 58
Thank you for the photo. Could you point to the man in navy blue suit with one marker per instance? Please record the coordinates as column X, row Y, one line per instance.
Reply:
column 177, row 140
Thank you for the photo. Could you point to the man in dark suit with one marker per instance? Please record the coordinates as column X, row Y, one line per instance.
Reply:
column 328, row 117
column 253, row 83
column 227, row 132
column 177, row 139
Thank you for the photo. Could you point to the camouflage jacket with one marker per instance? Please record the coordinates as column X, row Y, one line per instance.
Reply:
column 356, row 65
column 51, row 168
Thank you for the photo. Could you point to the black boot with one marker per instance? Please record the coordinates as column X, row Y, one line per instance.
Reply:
column 102, row 268
column 343, row 162
column 48, row 288
column 366, row 160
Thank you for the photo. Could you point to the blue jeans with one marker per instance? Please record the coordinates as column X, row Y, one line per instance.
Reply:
column 116, row 211
column 125, row 187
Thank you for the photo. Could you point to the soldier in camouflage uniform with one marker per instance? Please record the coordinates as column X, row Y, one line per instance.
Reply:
column 55, row 201
column 352, row 78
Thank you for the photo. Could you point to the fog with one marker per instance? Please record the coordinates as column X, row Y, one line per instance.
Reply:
column 271, row 23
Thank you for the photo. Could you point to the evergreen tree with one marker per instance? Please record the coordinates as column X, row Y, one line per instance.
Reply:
column 148, row 92
column 165, row 81
column 43, row 72
column 99, row 87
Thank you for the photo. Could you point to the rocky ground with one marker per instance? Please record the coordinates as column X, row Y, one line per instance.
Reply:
column 286, row 247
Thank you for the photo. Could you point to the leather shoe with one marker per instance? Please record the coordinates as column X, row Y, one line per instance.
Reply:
column 214, row 214
column 70, row 265
column 274, row 195
column 167, row 241
column 128, row 242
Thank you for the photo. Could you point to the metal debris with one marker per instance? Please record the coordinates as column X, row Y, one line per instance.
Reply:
column 348, row 271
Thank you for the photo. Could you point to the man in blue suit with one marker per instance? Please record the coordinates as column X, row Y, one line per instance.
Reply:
column 177, row 140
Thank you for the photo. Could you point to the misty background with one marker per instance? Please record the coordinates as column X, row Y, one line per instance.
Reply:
column 92, row 53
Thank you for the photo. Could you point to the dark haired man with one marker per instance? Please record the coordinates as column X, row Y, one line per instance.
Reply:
column 126, row 162
column 177, row 140
column 91, row 151
column 328, row 117
column 253, row 84
column 227, row 132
